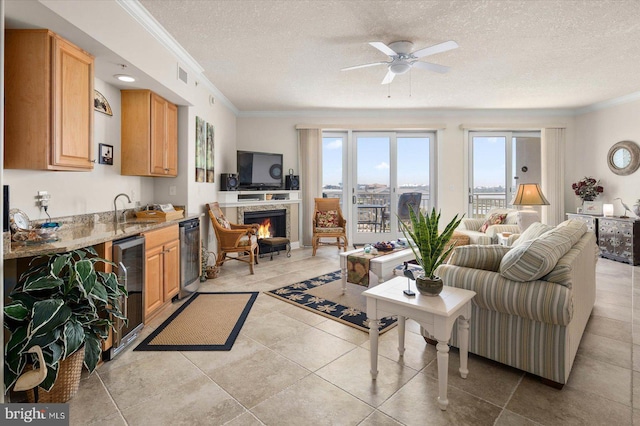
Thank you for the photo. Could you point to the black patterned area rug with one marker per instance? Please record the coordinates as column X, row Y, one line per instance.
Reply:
column 323, row 295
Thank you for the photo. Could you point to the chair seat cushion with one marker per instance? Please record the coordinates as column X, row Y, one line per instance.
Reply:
column 246, row 241
column 334, row 230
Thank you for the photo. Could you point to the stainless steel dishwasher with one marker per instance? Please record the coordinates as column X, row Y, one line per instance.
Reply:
column 189, row 257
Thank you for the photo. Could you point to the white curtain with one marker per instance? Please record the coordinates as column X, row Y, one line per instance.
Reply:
column 310, row 161
column 552, row 156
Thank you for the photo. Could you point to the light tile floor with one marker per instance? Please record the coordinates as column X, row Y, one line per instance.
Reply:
column 293, row 367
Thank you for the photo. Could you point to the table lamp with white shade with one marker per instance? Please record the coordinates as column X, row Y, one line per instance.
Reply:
column 528, row 194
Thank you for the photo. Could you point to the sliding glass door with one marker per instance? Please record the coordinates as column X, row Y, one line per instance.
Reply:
column 370, row 172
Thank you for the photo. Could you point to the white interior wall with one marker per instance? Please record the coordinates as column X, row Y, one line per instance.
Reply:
column 277, row 133
column 596, row 132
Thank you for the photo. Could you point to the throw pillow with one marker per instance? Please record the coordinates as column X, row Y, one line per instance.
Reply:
column 327, row 219
column 223, row 222
column 535, row 230
column 494, row 219
column 535, row 258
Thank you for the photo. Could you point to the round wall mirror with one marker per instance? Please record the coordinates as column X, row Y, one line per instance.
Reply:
column 624, row 158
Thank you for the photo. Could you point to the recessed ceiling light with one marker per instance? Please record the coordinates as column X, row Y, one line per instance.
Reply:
column 125, row 77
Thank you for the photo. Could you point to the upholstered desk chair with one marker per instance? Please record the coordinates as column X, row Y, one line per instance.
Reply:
column 328, row 222
column 233, row 238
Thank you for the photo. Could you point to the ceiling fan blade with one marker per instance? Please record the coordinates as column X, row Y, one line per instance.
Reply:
column 388, row 78
column 438, row 48
column 431, row 67
column 363, row 66
column 383, row 48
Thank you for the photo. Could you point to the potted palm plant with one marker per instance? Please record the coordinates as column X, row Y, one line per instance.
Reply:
column 64, row 306
column 430, row 247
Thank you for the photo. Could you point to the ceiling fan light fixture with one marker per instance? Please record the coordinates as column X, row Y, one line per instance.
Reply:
column 399, row 68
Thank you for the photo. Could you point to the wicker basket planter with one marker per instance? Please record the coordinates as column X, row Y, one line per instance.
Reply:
column 67, row 383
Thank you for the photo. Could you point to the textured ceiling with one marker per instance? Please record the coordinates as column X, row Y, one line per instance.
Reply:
column 287, row 55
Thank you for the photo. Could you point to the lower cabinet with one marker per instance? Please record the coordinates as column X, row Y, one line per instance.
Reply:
column 162, row 268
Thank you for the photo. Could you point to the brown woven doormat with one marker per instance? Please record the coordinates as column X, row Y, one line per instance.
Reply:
column 206, row 322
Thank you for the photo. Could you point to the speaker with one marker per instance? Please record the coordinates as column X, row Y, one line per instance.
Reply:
column 229, row 182
column 292, row 182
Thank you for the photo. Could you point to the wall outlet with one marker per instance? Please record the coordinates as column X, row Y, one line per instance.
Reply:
column 172, row 190
column 42, row 199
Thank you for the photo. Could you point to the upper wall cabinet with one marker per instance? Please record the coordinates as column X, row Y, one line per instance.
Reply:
column 48, row 103
column 149, row 134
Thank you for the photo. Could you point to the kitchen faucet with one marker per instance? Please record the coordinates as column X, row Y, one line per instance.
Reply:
column 115, row 206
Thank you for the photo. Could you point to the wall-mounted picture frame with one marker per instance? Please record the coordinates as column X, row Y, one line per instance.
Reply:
column 105, row 154
column 592, row 207
column 101, row 104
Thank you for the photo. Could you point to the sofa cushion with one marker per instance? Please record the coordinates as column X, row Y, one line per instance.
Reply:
column 493, row 219
column 535, row 230
column 533, row 259
column 562, row 272
column 485, row 257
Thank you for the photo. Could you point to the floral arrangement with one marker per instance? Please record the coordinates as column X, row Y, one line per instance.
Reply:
column 587, row 189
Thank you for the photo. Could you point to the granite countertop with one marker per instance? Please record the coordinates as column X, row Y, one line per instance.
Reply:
column 75, row 235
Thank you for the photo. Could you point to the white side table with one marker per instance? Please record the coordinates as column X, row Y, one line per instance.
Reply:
column 437, row 314
column 503, row 238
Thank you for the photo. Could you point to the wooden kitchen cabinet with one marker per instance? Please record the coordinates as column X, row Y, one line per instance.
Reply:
column 162, row 269
column 149, row 134
column 48, row 103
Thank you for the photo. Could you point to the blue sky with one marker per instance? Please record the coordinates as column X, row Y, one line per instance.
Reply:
column 374, row 160
column 413, row 154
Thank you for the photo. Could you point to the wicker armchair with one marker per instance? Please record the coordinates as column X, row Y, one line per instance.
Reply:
column 328, row 222
column 233, row 238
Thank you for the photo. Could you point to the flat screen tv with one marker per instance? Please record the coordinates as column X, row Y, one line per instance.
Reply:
column 259, row 170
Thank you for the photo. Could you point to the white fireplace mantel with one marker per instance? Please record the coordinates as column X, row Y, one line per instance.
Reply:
column 257, row 198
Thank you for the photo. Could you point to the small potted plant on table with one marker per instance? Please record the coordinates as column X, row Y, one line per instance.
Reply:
column 429, row 246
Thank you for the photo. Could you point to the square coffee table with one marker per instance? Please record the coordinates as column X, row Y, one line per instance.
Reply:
column 381, row 266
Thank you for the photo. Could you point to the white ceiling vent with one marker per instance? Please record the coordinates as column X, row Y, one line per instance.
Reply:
column 183, row 75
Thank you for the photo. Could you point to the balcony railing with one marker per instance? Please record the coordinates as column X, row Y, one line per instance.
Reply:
column 483, row 202
column 367, row 221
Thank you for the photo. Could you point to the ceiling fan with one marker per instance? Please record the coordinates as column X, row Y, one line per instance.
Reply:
column 402, row 59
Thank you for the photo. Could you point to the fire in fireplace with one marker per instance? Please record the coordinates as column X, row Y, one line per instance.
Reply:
column 273, row 223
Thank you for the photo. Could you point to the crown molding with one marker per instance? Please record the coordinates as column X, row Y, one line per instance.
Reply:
column 608, row 103
column 148, row 22
column 554, row 112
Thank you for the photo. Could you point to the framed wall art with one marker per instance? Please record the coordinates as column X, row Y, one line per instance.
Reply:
column 101, row 104
column 201, row 145
column 105, row 154
column 209, row 154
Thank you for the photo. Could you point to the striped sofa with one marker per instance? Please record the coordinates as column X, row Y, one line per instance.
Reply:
column 533, row 300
